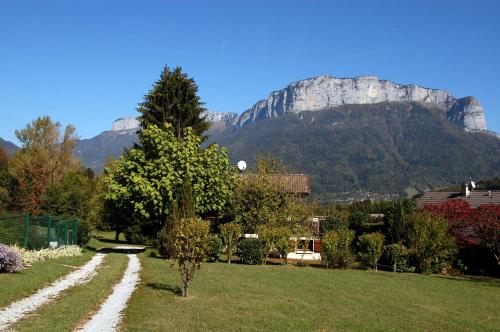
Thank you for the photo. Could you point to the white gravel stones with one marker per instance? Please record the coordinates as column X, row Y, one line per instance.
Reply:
column 17, row 310
column 109, row 315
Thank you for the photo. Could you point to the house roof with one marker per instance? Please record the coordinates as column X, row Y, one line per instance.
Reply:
column 475, row 199
column 292, row 183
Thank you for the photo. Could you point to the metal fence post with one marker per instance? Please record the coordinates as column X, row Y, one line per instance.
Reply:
column 49, row 224
column 75, row 241
column 26, row 225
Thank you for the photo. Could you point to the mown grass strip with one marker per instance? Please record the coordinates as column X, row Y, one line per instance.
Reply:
column 287, row 298
column 78, row 304
column 16, row 286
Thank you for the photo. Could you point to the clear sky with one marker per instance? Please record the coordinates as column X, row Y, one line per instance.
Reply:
column 90, row 62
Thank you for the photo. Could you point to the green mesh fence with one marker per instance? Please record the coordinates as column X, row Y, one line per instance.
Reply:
column 12, row 229
column 36, row 232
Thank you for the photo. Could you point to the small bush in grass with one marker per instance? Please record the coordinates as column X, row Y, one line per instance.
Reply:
column 214, row 248
column 230, row 234
column 191, row 239
column 398, row 257
column 10, row 260
column 336, row 247
column 251, row 251
column 370, row 247
column 84, row 232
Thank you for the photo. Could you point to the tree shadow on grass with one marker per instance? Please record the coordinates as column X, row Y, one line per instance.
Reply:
column 167, row 287
column 102, row 239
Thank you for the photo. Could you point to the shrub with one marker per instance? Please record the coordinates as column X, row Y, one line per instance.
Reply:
column 431, row 246
column 134, row 234
column 10, row 260
column 191, row 239
column 214, row 248
column 370, row 248
column 275, row 239
column 164, row 243
column 397, row 256
column 357, row 219
column 32, row 256
column 330, row 224
column 251, row 251
column 336, row 247
column 84, row 233
column 396, row 219
column 230, row 234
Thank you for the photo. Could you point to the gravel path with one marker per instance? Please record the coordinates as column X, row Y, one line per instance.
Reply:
column 109, row 315
column 17, row 310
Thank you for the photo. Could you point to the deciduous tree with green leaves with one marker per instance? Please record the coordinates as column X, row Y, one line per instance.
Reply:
column 145, row 179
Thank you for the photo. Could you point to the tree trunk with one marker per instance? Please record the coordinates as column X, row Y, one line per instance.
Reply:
column 185, row 290
column 117, row 234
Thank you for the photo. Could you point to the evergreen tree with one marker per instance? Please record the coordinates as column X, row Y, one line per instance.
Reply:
column 173, row 99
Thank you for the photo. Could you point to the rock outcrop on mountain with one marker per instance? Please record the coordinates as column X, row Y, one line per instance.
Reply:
column 321, row 92
column 127, row 123
column 219, row 120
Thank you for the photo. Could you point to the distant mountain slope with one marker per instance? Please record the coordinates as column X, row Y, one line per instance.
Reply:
column 386, row 147
column 9, row 146
column 93, row 152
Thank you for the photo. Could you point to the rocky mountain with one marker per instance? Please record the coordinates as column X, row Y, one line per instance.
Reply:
column 324, row 91
column 353, row 134
column 10, row 147
column 389, row 147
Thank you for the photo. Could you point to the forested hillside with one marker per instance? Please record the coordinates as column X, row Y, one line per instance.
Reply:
column 387, row 147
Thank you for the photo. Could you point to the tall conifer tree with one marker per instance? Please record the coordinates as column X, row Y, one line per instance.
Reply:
column 173, row 99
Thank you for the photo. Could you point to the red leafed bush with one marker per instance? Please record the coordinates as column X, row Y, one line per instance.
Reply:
column 459, row 216
column 469, row 226
column 486, row 223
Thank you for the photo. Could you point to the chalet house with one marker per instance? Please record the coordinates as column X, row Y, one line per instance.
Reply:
column 475, row 198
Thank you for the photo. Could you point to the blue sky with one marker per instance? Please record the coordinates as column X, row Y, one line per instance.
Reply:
column 90, row 62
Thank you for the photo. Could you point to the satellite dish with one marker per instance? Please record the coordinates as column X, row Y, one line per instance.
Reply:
column 242, row 165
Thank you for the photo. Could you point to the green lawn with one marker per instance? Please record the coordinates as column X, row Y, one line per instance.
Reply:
column 288, row 298
column 79, row 303
column 15, row 286
column 258, row 298
column 106, row 239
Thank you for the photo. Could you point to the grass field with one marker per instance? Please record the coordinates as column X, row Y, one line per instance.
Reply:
column 78, row 303
column 261, row 298
column 288, row 298
column 15, row 286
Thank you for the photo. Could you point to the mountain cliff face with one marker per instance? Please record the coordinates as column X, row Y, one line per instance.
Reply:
column 324, row 91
